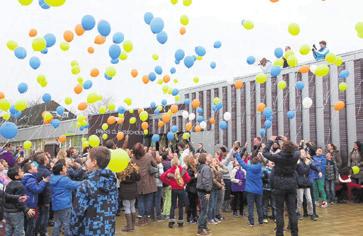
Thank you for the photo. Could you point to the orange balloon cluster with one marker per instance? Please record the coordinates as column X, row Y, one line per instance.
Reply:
column 195, row 103
column 261, row 107
column 238, row 84
column 340, row 105
column 166, row 118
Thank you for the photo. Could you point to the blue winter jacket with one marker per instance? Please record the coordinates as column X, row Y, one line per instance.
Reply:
column 61, row 189
column 320, row 163
column 32, row 188
column 320, row 54
column 253, row 176
column 95, row 205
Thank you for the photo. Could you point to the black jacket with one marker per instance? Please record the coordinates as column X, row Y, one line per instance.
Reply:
column 303, row 171
column 15, row 187
column 128, row 187
column 3, row 198
column 192, row 185
column 284, row 176
column 45, row 196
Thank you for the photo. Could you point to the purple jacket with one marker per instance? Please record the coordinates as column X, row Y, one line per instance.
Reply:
column 241, row 176
column 8, row 157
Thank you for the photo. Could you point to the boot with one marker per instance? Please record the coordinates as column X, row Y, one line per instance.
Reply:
column 133, row 220
column 127, row 228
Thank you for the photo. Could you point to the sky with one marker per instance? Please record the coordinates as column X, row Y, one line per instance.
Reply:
column 209, row 20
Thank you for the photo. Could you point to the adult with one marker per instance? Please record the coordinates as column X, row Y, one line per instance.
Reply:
column 146, row 186
column 287, row 48
column 265, row 65
column 284, row 182
column 332, row 149
column 356, row 159
column 320, row 54
column 7, row 154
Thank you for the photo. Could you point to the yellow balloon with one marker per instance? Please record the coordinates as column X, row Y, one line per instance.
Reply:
column 119, row 160
column 131, row 111
column 42, row 81
column 128, row 101
column 174, row 2
column 85, row 144
column 281, row 85
column 184, row 20
column 94, row 140
column 111, row 71
column 4, row 104
column 339, row 61
column 21, row 105
column 322, row 70
column 305, row 49
column 39, row 44
column 294, row 29
column 292, row 61
column 68, row 101
column 146, row 132
column 187, row 3
column 331, row 58
column 132, row 120
column 155, row 57
column 64, row 46
column 128, row 46
column 279, row 62
column 6, row 116
column 27, row 145
column 102, row 110
column 12, row 45
column 261, row 78
column 74, row 63
column 247, row 24
column 76, row 70
column 93, row 98
column 123, row 56
column 104, row 126
column 55, row 3
column 160, row 81
column 80, row 80
column 111, row 107
column 177, row 98
column 196, row 79
column 25, row 2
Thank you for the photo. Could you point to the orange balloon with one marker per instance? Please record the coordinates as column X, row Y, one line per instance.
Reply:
column 261, row 107
column 144, row 125
column 188, row 126
column 160, row 124
column 82, row 106
column 340, row 105
column 120, row 135
column 182, row 30
column 140, row 110
column 33, row 33
column 62, row 139
column 120, row 121
column 68, row 36
column 94, row 72
column 197, row 128
column 195, row 103
column 166, row 118
column 212, row 121
column 90, row 50
column 145, row 79
column 166, row 78
column 99, row 39
column 2, row 95
column 134, row 73
column 274, row 1
column 111, row 120
column 79, row 30
column 174, row 108
column 78, row 89
column 304, row 69
column 238, row 84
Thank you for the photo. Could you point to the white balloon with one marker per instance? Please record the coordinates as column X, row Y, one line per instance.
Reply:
column 191, row 116
column 307, row 102
column 227, row 116
column 185, row 114
column 203, row 125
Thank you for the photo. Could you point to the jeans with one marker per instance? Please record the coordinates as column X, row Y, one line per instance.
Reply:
column 30, row 224
column 220, row 200
column 237, row 202
column 212, row 208
column 192, row 209
column 129, row 206
column 14, row 224
column 156, row 209
column 319, row 192
column 301, row 192
column 62, row 218
column 167, row 201
column 177, row 195
column 227, row 195
column 204, row 202
column 288, row 196
column 42, row 222
column 145, row 202
column 330, row 190
column 253, row 198
column 268, row 201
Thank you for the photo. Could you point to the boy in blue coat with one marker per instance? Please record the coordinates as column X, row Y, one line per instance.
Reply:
column 32, row 189
column 61, row 190
column 319, row 161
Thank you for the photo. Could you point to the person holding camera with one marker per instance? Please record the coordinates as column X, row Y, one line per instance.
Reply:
column 284, row 182
column 320, row 54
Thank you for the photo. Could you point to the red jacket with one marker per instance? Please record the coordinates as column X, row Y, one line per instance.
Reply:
column 172, row 181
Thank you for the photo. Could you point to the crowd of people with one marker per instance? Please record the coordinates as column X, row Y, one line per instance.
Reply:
column 78, row 195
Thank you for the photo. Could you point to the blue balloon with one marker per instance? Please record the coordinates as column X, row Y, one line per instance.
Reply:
column 104, row 28
column 170, row 136
column 219, row 106
column 189, row 61
column 214, row 107
column 187, row 101
column 199, row 110
column 158, row 70
column 20, row 52
column 343, row 74
column 156, row 25
column 299, row 85
column 16, row 114
column 115, row 61
column 8, row 130
column 118, row 37
column 121, row 110
column 55, row 123
column 268, row 124
column 164, row 102
column 88, row 22
column 291, row 115
column 267, row 112
column 22, row 88
column 12, row 110
column 262, row 132
column 107, row 77
column 87, row 84
column 175, row 92
column 200, row 119
column 148, row 16
column 114, row 51
column 217, row 44
column 275, row 71
column 152, row 76
column 50, row 39
column 200, row 51
column 251, row 60
column 269, row 118
column 60, row 110
column 34, row 62
column 179, row 55
column 156, row 111
column 152, row 105
column 43, row 4
column 279, row 52
column 213, row 65
column 47, row 97
column 172, row 70
column 155, row 138
column 162, row 37
column 45, row 51
column 174, row 129
column 177, row 62
column 223, row 124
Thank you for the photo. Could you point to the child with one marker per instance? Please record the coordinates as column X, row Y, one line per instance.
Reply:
column 267, row 196
column 319, row 161
column 238, row 179
column 32, row 189
column 177, row 178
column 14, row 210
column 4, row 179
column 192, row 190
column 218, row 185
column 128, row 194
column 330, row 177
column 61, row 193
